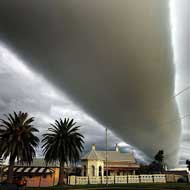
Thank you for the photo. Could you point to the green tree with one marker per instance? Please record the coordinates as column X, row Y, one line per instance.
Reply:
column 17, row 140
column 63, row 143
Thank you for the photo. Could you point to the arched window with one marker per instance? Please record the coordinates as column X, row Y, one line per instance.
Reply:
column 84, row 170
column 93, row 170
column 100, row 170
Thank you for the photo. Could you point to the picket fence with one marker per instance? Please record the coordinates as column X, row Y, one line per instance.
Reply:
column 155, row 178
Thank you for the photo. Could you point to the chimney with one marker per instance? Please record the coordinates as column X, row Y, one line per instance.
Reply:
column 93, row 147
column 116, row 148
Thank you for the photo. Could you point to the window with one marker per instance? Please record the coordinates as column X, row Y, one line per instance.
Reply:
column 105, row 173
column 100, row 170
column 84, row 170
column 93, row 170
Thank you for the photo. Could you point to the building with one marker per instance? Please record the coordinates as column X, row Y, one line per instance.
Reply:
column 118, row 163
column 177, row 175
column 38, row 174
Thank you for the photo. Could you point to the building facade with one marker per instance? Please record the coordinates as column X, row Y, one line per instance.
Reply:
column 38, row 174
column 94, row 163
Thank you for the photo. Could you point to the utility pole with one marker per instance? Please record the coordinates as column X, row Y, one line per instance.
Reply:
column 106, row 157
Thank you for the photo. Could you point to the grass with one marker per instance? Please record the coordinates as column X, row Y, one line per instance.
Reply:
column 141, row 186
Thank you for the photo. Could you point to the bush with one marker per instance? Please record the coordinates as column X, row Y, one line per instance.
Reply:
column 182, row 180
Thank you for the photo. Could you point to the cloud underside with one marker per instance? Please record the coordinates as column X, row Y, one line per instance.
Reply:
column 113, row 60
column 23, row 89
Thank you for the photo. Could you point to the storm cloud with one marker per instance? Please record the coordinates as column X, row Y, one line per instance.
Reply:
column 23, row 89
column 180, row 15
column 113, row 59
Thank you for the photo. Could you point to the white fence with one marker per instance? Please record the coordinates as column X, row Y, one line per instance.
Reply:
column 133, row 179
column 156, row 178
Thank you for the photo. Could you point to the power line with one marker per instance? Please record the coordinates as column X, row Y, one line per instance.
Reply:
column 181, row 92
column 175, row 120
column 163, row 105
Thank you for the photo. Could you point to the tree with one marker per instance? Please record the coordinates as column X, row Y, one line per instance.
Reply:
column 63, row 143
column 188, row 164
column 159, row 157
column 144, row 169
column 158, row 164
column 17, row 140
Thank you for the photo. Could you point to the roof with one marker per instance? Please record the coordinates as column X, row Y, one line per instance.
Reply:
column 92, row 155
column 177, row 172
column 28, row 170
column 39, row 162
column 112, row 156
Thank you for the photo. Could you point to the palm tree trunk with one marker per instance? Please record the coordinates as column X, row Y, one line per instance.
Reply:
column 10, row 170
column 61, row 174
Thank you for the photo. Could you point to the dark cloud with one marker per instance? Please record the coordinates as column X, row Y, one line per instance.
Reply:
column 22, row 89
column 115, row 60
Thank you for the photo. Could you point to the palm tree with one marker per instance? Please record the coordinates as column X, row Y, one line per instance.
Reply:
column 64, row 144
column 17, row 140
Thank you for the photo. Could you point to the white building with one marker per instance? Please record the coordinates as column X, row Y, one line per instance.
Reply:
column 94, row 163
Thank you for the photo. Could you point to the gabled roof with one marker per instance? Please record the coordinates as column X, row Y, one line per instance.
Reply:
column 113, row 156
column 92, row 155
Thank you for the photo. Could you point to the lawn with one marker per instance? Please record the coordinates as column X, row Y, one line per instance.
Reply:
column 169, row 186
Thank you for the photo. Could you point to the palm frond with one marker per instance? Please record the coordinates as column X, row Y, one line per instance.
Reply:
column 17, row 137
column 63, row 142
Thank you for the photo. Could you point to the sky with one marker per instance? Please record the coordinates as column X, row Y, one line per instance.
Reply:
column 122, row 65
column 23, row 89
column 180, row 15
